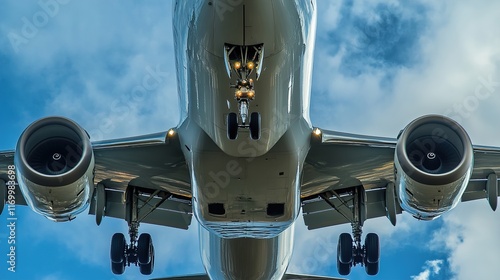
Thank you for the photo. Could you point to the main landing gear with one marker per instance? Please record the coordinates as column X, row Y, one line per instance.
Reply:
column 350, row 251
column 349, row 254
column 140, row 251
column 243, row 60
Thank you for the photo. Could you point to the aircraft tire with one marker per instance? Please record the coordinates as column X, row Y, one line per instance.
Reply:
column 118, row 248
column 255, row 126
column 343, row 268
column 144, row 249
column 117, row 253
column 118, row 268
column 147, row 269
column 232, row 126
column 344, row 248
column 372, row 256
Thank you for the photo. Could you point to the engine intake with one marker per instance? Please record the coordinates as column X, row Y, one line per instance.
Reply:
column 55, row 162
column 433, row 161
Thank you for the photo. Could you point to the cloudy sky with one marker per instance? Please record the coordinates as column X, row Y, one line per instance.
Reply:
column 378, row 65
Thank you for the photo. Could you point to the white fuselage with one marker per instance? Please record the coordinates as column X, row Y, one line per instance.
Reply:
column 246, row 193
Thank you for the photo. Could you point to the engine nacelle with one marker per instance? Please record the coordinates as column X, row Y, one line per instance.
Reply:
column 433, row 161
column 55, row 165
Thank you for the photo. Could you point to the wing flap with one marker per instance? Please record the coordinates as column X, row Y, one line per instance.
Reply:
column 171, row 212
column 155, row 164
column 318, row 214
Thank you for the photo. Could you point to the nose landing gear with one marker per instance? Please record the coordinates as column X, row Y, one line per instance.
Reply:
column 244, row 61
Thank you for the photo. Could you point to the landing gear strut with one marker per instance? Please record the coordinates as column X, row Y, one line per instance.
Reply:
column 140, row 251
column 244, row 61
column 350, row 251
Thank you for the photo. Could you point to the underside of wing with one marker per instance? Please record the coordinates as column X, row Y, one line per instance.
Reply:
column 430, row 168
column 426, row 171
column 60, row 173
column 336, row 165
column 150, row 169
column 484, row 180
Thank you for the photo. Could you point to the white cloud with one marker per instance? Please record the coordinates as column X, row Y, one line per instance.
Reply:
column 101, row 57
column 469, row 236
column 450, row 58
column 435, row 265
column 431, row 268
column 330, row 15
column 424, row 275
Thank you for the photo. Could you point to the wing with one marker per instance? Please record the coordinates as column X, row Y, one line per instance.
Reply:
column 339, row 162
column 152, row 164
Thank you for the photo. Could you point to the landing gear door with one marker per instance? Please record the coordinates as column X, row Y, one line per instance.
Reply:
column 243, row 60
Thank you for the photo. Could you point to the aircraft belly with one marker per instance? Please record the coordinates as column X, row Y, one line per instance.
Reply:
column 246, row 258
column 245, row 196
column 245, row 188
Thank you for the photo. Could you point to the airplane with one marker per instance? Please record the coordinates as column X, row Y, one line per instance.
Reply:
column 245, row 157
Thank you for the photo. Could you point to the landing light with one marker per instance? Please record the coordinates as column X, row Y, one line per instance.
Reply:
column 317, row 131
column 237, row 65
column 250, row 65
column 171, row 132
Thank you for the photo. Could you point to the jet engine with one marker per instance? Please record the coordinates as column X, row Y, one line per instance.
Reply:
column 433, row 163
column 55, row 165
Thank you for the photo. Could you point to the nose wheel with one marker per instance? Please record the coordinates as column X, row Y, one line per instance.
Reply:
column 232, row 126
column 253, row 126
column 246, row 63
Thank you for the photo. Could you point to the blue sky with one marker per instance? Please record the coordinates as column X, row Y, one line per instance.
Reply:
column 378, row 65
